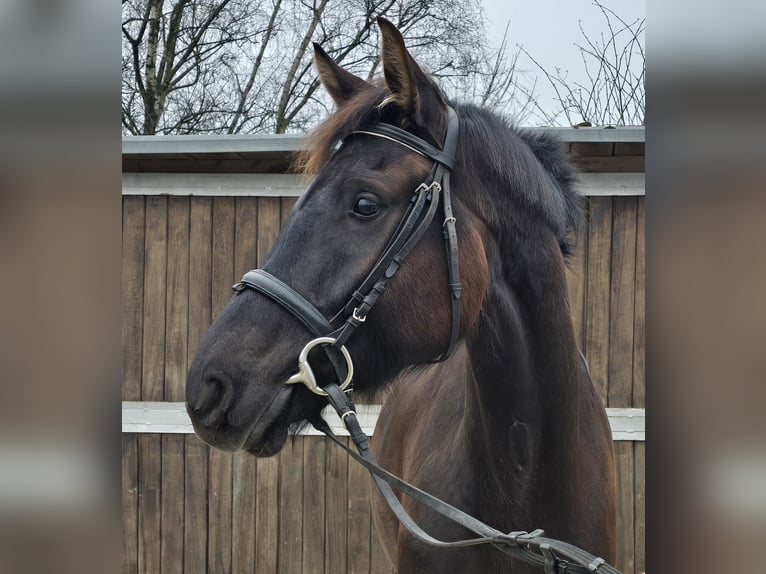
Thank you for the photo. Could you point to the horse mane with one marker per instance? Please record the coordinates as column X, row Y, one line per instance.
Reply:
column 531, row 167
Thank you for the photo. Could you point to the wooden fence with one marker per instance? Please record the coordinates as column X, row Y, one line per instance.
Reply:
column 189, row 508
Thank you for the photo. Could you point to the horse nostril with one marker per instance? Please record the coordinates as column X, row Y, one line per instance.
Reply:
column 215, row 397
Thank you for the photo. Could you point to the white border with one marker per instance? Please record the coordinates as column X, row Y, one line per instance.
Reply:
column 171, row 418
column 290, row 185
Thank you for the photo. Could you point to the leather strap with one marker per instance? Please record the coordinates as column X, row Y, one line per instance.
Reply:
column 390, row 254
column 398, row 135
column 553, row 556
column 289, row 299
column 390, row 265
column 263, row 282
column 450, row 237
column 453, row 267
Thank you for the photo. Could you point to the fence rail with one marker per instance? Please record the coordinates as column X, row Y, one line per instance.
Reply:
column 171, row 418
column 290, row 185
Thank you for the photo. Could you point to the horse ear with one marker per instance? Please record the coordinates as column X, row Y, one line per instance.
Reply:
column 410, row 87
column 339, row 83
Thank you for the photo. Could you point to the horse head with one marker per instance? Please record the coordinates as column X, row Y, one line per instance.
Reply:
column 237, row 396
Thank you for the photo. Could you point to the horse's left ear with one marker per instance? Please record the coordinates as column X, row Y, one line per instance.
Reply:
column 339, row 83
column 411, row 89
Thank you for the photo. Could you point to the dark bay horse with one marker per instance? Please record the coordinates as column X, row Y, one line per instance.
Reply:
column 509, row 427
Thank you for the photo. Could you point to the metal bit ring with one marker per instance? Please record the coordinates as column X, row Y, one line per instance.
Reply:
column 305, row 373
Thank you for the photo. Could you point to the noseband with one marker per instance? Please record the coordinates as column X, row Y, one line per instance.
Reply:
column 418, row 216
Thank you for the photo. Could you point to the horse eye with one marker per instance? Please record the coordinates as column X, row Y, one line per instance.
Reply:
column 366, row 207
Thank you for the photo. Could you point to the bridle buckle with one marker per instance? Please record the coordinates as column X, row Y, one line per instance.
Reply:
column 355, row 314
column 434, row 186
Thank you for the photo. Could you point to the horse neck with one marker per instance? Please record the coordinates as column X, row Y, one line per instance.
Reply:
column 523, row 371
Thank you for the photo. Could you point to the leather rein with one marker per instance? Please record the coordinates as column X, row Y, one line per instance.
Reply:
column 554, row 556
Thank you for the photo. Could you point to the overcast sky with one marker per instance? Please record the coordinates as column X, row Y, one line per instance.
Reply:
column 548, row 29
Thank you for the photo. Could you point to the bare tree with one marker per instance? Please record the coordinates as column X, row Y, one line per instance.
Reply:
column 497, row 82
column 173, row 57
column 614, row 93
column 230, row 66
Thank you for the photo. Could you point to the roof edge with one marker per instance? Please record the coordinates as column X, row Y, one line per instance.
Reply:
column 211, row 144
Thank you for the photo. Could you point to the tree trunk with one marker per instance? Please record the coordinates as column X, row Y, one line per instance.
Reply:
column 287, row 88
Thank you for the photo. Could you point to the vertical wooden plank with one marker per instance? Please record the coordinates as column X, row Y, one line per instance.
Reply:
column 623, row 459
column 176, row 336
column 219, row 511
column 200, row 271
column 621, row 302
column 287, row 205
column 639, row 392
column 223, row 253
column 220, row 469
column 358, row 520
column 195, row 505
column 268, row 225
column 129, row 504
column 267, row 515
column 133, row 240
column 243, row 513
column 576, row 283
column 336, row 496
column 177, row 303
column 291, row 507
column 621, row 329
column 153, row 367
column 598, row 266
column 244, row 465
column 245, row 235
column 172, row 504
column 149, row 497
column 196, row 459
column 313, row 504
column 639, row 454
column 152, row 383
column 639, row 344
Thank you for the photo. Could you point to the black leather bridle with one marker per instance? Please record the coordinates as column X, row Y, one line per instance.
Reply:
column 553, row 556
column 421, row 210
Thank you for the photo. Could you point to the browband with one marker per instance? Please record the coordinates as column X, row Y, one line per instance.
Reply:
column 446, row 157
